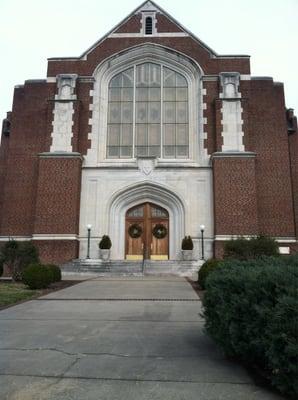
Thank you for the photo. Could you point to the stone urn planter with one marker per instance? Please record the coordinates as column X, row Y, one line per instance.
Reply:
column 104, row 254
column 187, row 255
column 187, row 248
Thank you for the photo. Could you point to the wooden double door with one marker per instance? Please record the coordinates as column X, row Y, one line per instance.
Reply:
column 147, row 232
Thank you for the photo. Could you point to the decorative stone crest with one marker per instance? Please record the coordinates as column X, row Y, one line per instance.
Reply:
column 146, row 165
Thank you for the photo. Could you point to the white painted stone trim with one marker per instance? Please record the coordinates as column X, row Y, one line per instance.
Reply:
column 51, row 79
column 156, row 34
column 14, row 237
column 54, row 236
column 242, row 154
column 63, row 113
column 277, row 238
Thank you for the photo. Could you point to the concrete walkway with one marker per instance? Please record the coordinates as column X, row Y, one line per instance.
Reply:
column 116, row 338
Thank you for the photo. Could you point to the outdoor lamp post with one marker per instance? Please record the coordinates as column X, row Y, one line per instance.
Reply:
column 88, row 244
column 202, row 228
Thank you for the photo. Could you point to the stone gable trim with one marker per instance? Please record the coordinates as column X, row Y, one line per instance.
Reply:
column 62, row 154
column 236, row 154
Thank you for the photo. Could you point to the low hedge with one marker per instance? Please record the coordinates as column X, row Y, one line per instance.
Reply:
column 206, row 269
column 55, row 271
column 246, row 249
column 251, row 311
column 37, row 276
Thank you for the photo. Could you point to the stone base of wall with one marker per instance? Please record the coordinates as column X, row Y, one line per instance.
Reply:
column 57, row 251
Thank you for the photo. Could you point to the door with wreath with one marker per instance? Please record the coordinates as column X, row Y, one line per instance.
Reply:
column 147, row 232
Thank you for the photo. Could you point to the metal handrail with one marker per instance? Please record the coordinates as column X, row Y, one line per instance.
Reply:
column 143, row 262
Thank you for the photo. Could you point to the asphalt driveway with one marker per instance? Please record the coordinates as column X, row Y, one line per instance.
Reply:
column 117, row 338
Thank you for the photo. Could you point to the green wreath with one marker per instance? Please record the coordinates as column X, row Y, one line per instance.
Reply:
column 135, row 231
column 159, row 231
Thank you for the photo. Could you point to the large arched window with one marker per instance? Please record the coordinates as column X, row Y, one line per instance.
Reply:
column 148, row 113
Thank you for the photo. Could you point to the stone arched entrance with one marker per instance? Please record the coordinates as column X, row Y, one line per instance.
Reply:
column 142, row 193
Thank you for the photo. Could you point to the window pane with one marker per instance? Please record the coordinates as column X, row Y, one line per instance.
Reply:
column 113, row 152
column 181, row 112
column 116, row 81
column 182, row 151
column 154, row 112
column 169, row 134
column 154, row 94
column 115, row 94
column 142, row 94
column 154, row 134
column 141, row 112
column 169, row 94
column 113, row 135
column 127, row 94
column 127, row 113
column 154, row 73
column 169, row 78
column 181, row 94
column 126, row 151
column 169, row 151
column 169, row 112
column 114, row 113
column 127, row 77
column 141, row 150
column 141, row 134
column 142, row 75
column 180, row 80
column 126, row 137
column 182, row 134
column 154, row 151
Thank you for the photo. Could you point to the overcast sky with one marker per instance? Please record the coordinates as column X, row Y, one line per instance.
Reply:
column 33, row 30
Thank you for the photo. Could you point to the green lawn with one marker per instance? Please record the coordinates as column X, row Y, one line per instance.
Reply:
column 11, row 293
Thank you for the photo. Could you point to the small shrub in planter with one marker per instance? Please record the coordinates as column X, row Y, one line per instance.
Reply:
column 246, row 249
column 105, row 243
column 187, row 243
column 56, row 272
column 37, row 276
column 206, row 269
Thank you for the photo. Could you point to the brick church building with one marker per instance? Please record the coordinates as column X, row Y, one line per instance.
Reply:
column 146, row 136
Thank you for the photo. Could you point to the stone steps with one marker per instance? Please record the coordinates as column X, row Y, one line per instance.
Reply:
column 127, row 267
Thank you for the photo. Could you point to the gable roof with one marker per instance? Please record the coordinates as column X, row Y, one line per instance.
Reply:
column 148, row 5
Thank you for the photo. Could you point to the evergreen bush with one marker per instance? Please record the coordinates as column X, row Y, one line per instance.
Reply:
column 105, row 242
column 17, row 256
column 251, row 311
column 187, row 243
column 206, row 269
column 55, row 271
column 37, row 276
column 246, row 249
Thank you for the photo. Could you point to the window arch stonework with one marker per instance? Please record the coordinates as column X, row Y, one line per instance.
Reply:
column 129, row 61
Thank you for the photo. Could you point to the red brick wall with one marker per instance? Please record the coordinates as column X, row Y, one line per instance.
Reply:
column 28, row 137
column 58, row 196
column 4, row 151
column 132, row 25
column 164, row 24
column 113, row 46
column 210, row 112
column 235, row 201
column 269, row 139
column 57, row 251
column 293, row 147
